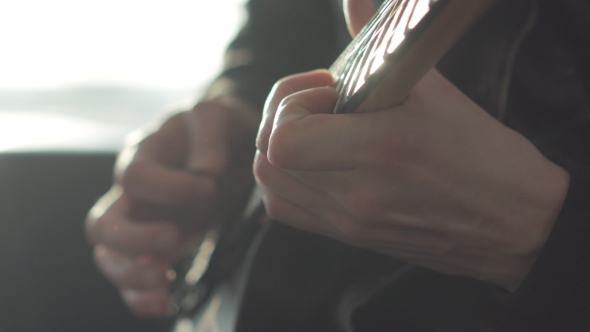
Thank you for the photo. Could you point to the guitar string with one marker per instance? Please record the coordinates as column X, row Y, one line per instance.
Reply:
column 361, row 75
column 343, row 61
column 379, row 56
column 354, row 60
column 367, row 32
column 382, row 36
column 400, row 34
column 360, row 61
column 361, row 58
column 357, row 48
column 390, row 30
column 358, row 75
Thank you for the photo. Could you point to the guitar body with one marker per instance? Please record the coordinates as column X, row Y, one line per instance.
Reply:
column 291, row 281
column 298, row 279
column 299, row 282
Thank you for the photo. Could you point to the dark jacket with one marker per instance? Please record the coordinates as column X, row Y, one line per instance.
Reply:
column 528, row 64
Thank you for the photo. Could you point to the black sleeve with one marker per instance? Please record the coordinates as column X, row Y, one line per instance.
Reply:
column 280, row 38
column 555, row 296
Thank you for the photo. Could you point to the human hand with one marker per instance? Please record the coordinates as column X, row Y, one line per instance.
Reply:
column 435, row 181
column 170, row 183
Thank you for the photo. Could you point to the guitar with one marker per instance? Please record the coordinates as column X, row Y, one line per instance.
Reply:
column 232, row 281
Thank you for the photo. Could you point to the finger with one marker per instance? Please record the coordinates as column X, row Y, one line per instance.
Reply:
column 330, row 217
column 305, row 139
column 215, row 128
column 286, row 212
column 128, row 272
column 111, row 227
column 146, row 180
column 99, row 209
column 209, row 152
column 323, row 211
column 282, row 89
column 164, row 142
column 148, row 304
column 152, row 168
column 358, row 13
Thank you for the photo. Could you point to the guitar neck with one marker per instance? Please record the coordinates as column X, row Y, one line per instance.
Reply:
column 403, row 41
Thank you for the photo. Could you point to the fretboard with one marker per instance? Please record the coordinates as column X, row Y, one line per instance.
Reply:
column 397, row 47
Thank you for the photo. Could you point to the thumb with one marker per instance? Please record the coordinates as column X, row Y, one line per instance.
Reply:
column 358, row 13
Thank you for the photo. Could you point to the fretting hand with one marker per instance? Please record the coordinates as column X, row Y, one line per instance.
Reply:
column 435, row 181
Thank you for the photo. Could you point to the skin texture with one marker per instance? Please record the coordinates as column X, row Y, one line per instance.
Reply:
column 170, row 183
column 435, row 181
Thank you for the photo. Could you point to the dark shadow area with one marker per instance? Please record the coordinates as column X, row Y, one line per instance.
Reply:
column 48, row 282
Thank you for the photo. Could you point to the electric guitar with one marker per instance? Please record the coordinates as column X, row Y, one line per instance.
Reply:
column 251, row 274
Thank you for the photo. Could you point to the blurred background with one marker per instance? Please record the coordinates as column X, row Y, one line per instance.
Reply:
column 75, row 77
column 82, row 68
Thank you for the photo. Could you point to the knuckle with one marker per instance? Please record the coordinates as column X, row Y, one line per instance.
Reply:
column 258, row 166
column 129, row 176
column 127, row 155
column 105, row 231
column 115, row 268
column 278, row 152
column 261, row 169
column 289, row 100
column 283, row 145
column 95, row 217
column 273, row 207
column 280, row 90
column 90, row 229
column 283, row 87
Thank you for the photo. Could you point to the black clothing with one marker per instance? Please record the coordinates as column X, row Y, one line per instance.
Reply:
column 528, row 64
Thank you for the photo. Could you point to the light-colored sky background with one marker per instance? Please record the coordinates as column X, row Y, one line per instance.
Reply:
column 171, row 44
column 80, row 74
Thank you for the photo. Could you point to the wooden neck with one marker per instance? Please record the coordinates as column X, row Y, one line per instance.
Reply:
column 402, row 42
